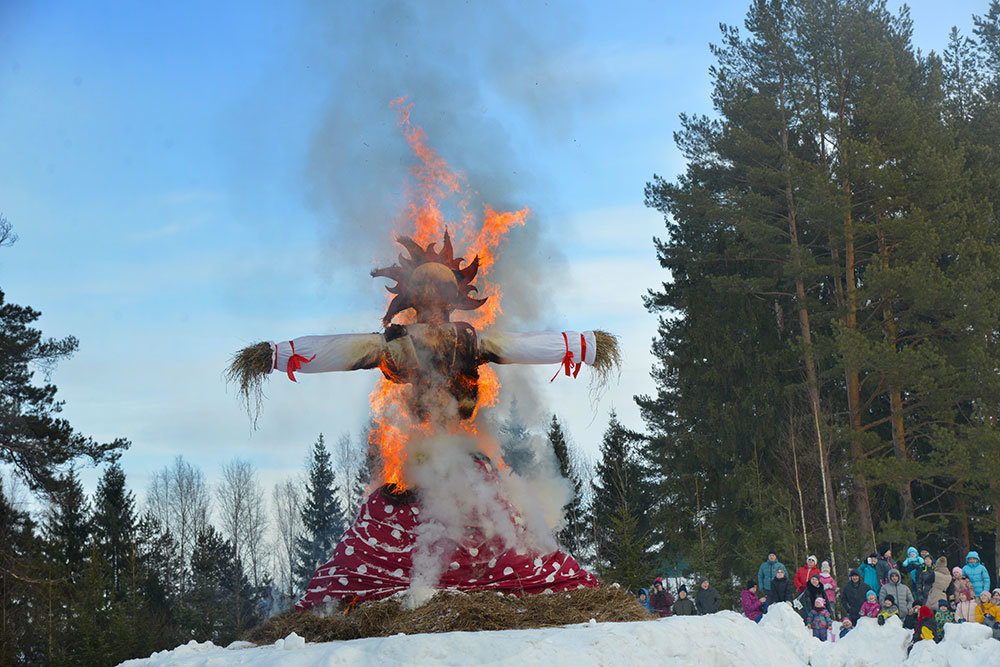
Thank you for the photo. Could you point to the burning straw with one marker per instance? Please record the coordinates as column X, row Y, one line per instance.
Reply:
column 452, row 611
column 248, row 369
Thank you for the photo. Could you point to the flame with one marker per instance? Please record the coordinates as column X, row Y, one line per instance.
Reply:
column 433, row 184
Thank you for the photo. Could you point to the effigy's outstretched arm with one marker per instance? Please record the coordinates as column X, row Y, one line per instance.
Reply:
column 307, row 354
column 598, row 349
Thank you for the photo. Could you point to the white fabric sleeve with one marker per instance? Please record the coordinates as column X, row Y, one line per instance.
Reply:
column 545, row 347
column 322, row 354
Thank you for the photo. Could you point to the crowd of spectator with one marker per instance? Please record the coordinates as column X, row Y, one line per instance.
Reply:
column 921, row 591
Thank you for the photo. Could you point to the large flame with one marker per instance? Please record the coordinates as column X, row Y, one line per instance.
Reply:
column 432, row 185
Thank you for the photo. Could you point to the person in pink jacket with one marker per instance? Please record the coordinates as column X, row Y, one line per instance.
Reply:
column 830, row 587
column 870, row 608
column 753, row 606
column 965, row 612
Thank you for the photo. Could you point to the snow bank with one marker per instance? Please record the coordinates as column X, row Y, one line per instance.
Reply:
column 720, row 639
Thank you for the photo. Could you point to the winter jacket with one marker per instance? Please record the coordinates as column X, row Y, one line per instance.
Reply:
column 923, row 581
column 819, row 619
column 684, row 606
column 900, row 592
column 782, row 590
column 869, row 576
column 802, row 577
column 706, row 600
column 885, row 613
column 662, row 602
column 966, row 611
column 853, row 596
column 647, row 605
column 882, row 567
column 926, row 629
column 940, row 618
column 752, row 607
column 942, row 579
column 765, row 573
column 814, row 592
column 870, row 609
column 960, row 586
column 983, row 608
column 977, row 573
column 911, row 563
column 830, row 588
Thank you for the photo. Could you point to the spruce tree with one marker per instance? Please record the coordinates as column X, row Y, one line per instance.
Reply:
column 322, row 516
column 574, row 534
column 115, row 524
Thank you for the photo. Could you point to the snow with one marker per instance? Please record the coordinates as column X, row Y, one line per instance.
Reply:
column 726, row 638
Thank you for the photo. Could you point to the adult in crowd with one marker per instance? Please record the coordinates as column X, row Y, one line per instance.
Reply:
column 707, row 599
column 753, row 606
column 977, row 573
column 803, row 574
column 829, row 584
column 987, row 613
column 662, row 600
column 883, row 565
column 900, row 592
column 814, row 589
column 853, row 595
column 782, row 589
column 643, row 598
column 766, row 571
column 942, row 582
column 867, row 570
column 684, row 606
column 960, row 584
column 923, row 581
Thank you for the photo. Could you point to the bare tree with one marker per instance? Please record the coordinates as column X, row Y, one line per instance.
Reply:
column 287, row 510
column 7, row 235
column 178, row 498
column 244, row 520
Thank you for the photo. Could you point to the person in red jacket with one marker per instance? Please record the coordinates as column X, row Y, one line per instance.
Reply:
column 804, row 572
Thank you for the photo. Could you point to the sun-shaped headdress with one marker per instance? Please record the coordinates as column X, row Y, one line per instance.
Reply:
column 430, row 282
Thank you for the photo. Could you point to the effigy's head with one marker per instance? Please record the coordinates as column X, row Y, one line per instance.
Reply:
column 429, row 281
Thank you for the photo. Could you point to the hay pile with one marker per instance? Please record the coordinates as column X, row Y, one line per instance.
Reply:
column 450, row 611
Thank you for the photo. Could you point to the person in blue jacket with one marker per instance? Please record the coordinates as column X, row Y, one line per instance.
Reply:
column 868, row 573
column 643, row 598
column 910, row 565
column 977, row 573
column 765, row 573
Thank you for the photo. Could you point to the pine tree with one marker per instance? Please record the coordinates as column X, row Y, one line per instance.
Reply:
column 574, row 534
column 22, row 637
column 115, row 524
column 213, row 612
column 515, row 444
column 322, row 516
column 619, row 508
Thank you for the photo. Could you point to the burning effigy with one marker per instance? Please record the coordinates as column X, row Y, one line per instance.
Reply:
column 448, row 513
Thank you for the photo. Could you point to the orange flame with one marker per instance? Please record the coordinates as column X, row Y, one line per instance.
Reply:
column 432, row 184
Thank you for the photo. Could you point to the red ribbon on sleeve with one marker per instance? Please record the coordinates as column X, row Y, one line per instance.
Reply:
column 567, row 360
column 295, row 362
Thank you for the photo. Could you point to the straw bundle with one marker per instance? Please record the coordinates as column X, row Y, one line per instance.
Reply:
column 451, row 611
column 247, row 369
column 608, row 358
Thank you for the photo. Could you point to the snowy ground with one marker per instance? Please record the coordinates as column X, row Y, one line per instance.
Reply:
column 725, row 638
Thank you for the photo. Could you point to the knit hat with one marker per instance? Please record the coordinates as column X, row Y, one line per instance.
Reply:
column 956, row 571
column 873, row 555
column 750, row 584
column 890, row 599
column 942, row 603
column 882, row 549
column 820, row 602
column 871, row 594
column 682, row 589
column 772, row 551
column 825, row 567
column 812, row 558
column 925, row 612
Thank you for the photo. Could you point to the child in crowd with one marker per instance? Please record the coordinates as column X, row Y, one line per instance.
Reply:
column 942, row 616
column 871, row 608
column 960, row 583
column 987, row 613
column 819, row 620
column 965, row 611
column 753, row 606
column 845, row 627
column 644, row 600
column 829, row 584
column 889, row 608
column 684, row 605
column 926, row 626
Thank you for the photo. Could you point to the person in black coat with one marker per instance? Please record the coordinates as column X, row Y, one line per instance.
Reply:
column 782, row 588
column 707, row 599
column 814, row 589
column 852, row 596
column 923, row 580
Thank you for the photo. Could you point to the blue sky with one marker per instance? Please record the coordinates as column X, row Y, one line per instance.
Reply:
column 187, row 178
